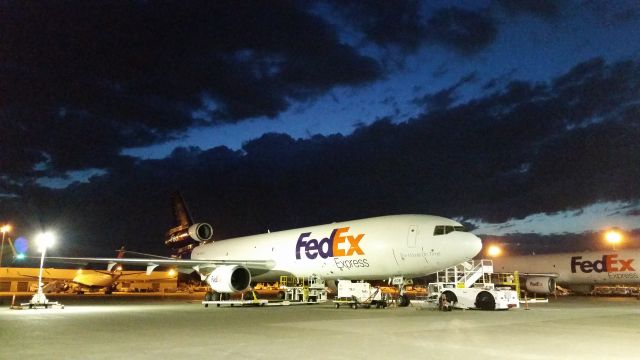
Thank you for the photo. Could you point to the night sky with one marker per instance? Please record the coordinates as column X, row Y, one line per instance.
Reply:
column 520, row 119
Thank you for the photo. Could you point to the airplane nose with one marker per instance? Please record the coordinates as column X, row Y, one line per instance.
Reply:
column 474, row 244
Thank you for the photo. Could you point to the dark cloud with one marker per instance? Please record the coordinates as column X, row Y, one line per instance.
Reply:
column 406, row 25
column 464, row 31
column 127, row 74
column 397, row 23
column 527, row 244
column 634, row 212
column 542, row 8
column 444, row 98
column 613, row 13
column 526, row 148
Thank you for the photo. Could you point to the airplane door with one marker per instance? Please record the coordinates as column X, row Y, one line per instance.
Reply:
column 412, row 236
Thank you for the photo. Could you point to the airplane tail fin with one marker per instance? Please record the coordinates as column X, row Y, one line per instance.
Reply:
column 180, row 211
column 183, row 237
column 113, row 267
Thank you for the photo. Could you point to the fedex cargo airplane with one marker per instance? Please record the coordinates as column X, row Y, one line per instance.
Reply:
column 374, row 248
column 578, row 271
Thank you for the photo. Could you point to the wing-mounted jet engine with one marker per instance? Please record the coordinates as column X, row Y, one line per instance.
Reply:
column 540, row 285
column 229, row 279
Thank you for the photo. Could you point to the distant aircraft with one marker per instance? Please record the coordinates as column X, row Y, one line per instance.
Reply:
column 378, row 248
column 89, row 279
column 576, row 271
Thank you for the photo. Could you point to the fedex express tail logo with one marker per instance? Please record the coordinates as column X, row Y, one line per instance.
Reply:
column 338, row 245
column 608, row 263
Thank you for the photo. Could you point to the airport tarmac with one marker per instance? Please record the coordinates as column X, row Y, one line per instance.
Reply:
column 103, row 327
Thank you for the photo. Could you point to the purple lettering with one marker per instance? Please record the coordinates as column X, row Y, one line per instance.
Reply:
column 301, row 244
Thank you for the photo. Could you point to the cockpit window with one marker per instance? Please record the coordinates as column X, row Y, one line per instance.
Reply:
column 445, row 229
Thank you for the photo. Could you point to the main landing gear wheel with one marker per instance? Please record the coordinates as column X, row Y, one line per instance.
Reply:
column 403, row 300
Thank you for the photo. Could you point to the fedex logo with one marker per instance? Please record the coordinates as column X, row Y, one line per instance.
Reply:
column 608, row 263
column 338, row 244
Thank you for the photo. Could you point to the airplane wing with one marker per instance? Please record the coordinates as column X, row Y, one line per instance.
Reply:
column 553, row 275
column 254, row 266
column 44, row 277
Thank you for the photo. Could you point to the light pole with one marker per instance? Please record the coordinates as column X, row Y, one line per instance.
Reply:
column 4, row 229
column 43, row 240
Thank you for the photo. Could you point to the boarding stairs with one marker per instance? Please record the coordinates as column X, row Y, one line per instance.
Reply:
column 467, row 273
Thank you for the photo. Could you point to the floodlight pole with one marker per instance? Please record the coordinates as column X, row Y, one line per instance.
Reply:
column 39, row 298
column 2, row 248
column 44, row 249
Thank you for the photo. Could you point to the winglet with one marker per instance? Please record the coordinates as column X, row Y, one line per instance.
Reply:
column 150, row 268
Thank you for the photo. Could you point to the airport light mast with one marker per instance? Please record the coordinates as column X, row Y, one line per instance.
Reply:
column 4, row 229
column 43, row 240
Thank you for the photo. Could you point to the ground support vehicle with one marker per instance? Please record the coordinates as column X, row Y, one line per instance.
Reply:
column 292, row 290
column 311, row 289
column 359, row 294
column 249, row 298
column 469, row 286
column 447, row 297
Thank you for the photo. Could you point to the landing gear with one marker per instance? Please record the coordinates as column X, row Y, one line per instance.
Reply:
column 403, row 300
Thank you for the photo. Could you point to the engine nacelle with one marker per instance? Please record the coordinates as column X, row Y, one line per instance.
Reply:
column 183, row 236
column 229, row 279
column 200, row 232
column 540, row 285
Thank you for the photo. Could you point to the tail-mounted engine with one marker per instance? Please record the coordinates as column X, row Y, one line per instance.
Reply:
column 229, row 279
column 185, row 235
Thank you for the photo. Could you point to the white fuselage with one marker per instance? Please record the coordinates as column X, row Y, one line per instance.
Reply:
column 580, row 268
column 373, row 248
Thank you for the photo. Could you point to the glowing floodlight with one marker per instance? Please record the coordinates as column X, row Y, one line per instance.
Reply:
column 45, row 240
column 613, row 237
column 494, row 250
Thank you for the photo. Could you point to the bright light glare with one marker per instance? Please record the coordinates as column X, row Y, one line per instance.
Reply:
column 172, row 273
column 45, row 240
column 613, row 237
column 494, row 250
column 5, row 229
